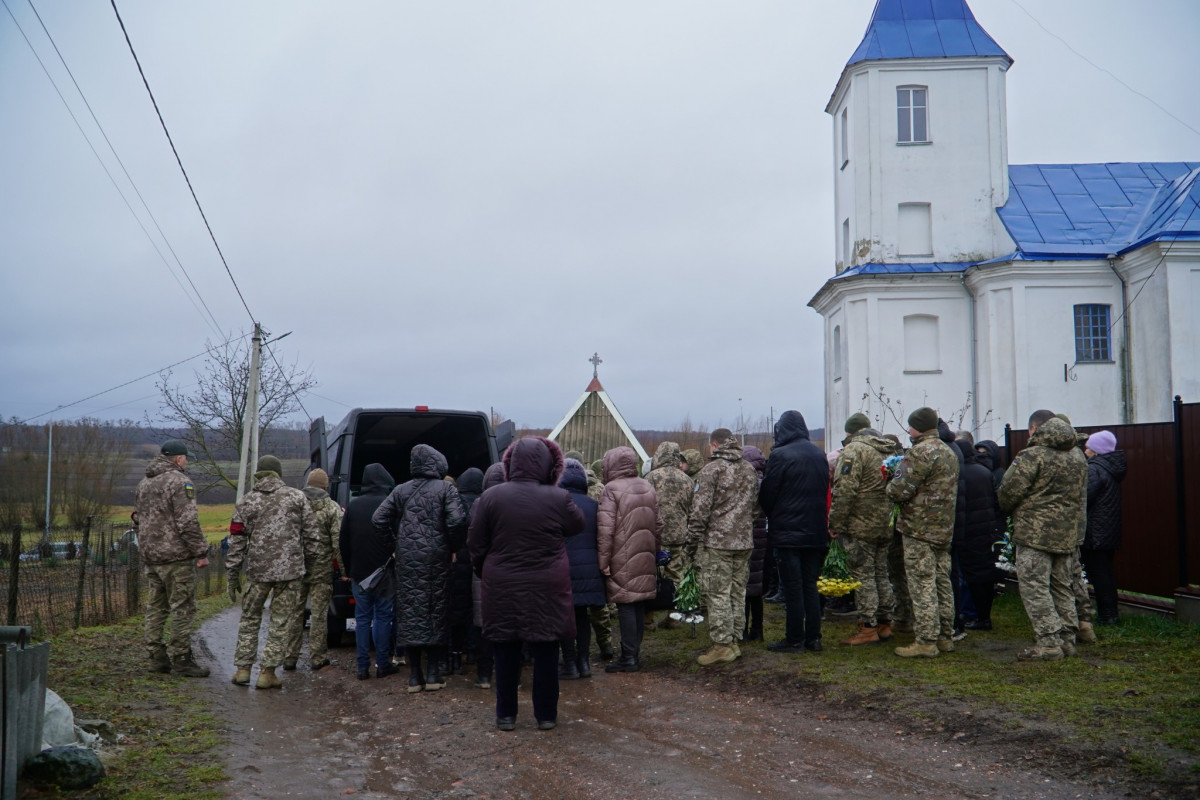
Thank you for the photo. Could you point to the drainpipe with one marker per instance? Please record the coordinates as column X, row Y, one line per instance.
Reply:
column 1124, row 362
column 974, row 359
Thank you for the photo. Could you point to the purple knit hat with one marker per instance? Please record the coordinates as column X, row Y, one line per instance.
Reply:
column 1102, row 442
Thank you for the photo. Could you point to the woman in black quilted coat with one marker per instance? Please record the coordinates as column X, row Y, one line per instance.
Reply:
column 1106, row 470
column 425, row 519
column 977, row 550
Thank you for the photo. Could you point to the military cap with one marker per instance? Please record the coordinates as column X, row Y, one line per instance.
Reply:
column 174, row 447
column 270, row 464
column 857, row 422
column 923, row 419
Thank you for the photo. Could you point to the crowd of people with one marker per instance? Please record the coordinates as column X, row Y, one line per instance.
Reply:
column 520, row 565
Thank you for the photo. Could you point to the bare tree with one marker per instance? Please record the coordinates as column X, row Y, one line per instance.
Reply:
column 89, row 458
column 209, row 415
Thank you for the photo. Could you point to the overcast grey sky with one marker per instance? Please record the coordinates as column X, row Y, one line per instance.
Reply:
column 455, row 204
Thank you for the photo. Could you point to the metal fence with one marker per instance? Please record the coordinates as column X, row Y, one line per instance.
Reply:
column 22, row 703
column 79, row 578
column 1160, row 500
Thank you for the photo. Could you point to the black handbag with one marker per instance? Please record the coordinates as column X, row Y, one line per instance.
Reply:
column 664, row 593
column 379, row 578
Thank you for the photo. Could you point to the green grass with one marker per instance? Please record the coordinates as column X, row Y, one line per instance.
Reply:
column 214, row 519
column 172, row 741
column 1135, row 691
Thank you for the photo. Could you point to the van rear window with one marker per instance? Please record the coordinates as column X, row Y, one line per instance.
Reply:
column 388, row 439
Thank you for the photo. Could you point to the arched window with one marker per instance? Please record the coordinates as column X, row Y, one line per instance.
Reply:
column 922, row 347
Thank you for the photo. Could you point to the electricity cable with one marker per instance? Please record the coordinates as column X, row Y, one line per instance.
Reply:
column 179, row 161
column 123, row 169
column 117, row 186
column 288, row 383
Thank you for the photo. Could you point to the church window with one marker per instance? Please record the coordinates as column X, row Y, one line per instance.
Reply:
column 845, row 137
column 1092, row 333
column 922, row 349
column 912, row 114
column 837, row 352
column 915, row 223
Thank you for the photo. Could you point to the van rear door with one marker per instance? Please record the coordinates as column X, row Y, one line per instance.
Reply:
column 318, row 451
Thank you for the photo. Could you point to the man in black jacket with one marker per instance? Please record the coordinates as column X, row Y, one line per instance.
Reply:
column 794, row 496
column 363, row 551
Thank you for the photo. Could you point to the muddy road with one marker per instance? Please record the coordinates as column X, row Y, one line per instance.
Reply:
column 653, row 734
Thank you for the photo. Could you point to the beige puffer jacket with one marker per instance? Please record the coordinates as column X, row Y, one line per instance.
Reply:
column 628, row 526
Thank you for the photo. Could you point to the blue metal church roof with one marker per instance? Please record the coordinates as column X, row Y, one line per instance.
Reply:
column 924, row 29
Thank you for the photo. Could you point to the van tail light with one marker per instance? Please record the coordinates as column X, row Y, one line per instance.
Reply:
column 423, row 409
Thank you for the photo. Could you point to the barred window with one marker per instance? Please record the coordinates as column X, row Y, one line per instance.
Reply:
column 912, row 114
column 1092, row 333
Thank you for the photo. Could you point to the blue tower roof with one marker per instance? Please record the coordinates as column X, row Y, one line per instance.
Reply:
column 924, row 29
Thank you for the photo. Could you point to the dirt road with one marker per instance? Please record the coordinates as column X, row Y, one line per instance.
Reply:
column 652, row 734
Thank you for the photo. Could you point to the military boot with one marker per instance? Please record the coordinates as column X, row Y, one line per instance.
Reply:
column 1068, row 649
column 242, row 676
column 267, row 679
column 188, row 668
column 919, row 649
column 736, row 648
column 884, row 629
column 289, row 664
column 945, row 644
column 1041, row 653
column 1087, row 634
column 159, row 661
column 867, row 634
column 717, row 654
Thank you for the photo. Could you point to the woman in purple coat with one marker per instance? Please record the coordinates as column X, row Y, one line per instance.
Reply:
column 517, row 544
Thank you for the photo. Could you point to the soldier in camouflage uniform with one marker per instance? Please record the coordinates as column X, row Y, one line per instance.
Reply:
column 675, row 490
column 1083, row 600
column 272, row 536
column 695, row 462
column 1044, row 491
column 595, row 484
column 861, row 516
column 926, row 488
column 317, row 588
column 721, row 530
column 172, row 547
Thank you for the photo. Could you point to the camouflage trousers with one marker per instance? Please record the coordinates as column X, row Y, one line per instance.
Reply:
column 316, row 594
column 868, row 563
column 722, row 575
column 927, row 570
column 601, row 618
column 170, row 592
column 1045, row 583
column 284, row 596
column 895, row 560
column 1079, row 587
column 679, row 564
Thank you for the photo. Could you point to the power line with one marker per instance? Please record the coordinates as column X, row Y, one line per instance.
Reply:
column 179, row 161
column 286, row 382
column 126, row 383
column 1107, row 72
column 107, row 172
column 122, row 163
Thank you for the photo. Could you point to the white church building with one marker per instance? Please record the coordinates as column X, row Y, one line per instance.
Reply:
column 966, row 282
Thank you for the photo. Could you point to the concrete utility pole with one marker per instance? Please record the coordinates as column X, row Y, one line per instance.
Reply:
column 249, row 455
column 49, row 461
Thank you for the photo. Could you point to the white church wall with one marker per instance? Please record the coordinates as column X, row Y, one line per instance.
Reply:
column 1150, row 334
column 1185, row 332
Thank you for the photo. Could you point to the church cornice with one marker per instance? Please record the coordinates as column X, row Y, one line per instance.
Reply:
column 895, row 64
column 839, row 289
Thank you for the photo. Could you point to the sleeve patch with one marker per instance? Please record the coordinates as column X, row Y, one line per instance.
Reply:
column 190, row 490
column 846, row 465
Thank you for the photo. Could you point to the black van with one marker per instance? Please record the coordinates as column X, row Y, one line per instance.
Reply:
column 387, row 436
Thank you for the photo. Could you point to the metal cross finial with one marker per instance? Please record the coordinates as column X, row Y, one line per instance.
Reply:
column 596, row 361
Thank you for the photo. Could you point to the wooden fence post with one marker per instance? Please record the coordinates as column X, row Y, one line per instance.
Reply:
column 87, row 530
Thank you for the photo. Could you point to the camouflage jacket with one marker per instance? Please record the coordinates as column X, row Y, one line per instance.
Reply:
column 274, row 532
column 926, row 487
column 861, row 507
column 695, row 462
column 1045, row 490
column 726, row 501
column 1080, row 459
column 675, row 490
column 167, row 524
column 329, row 523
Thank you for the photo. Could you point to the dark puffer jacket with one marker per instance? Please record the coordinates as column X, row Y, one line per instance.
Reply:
column 517, row 541
column 795, row 489
column 470, row 486
column 1105, row 473
column 628, row 527
column 978, row 548
column 960, row 505
column 363, row 550
column 987, row 453
column 494, row 476
column 587, row 582
column 425, row 519
column 758, row 556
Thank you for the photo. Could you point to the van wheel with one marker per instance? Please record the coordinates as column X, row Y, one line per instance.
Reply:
column 336, row 626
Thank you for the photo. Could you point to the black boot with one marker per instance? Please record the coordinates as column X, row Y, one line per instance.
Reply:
column 416, row 678
column 753, row 635
column 584, row 665
column 456, row 663
column 568, row 669
column 436, row 679
column 623, row 664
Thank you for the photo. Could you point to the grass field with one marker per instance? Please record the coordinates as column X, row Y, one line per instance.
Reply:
column 214, row 519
